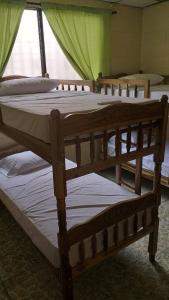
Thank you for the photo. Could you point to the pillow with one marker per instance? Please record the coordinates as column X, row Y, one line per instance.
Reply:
column 154, row 78
column 26, row 86
column 21, row 163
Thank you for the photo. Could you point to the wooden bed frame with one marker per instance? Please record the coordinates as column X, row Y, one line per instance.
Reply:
column 106, row 83
column 101, row 124
column 123, row 84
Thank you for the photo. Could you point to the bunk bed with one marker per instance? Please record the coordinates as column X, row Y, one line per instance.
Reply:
column 13, row 86
column 108, row 86
column 111, row 222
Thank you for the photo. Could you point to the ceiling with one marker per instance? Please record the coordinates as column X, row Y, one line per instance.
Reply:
column 136, row 3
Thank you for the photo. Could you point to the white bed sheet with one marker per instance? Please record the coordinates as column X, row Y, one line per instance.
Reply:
column 30, row 200
column 32, row 116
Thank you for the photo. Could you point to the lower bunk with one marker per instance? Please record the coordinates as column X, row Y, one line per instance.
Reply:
column 30, row 199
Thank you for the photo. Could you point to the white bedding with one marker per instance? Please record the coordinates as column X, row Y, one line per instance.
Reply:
column 30, row 115
column 30, row 200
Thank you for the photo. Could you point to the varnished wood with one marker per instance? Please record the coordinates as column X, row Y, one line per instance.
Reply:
column 124, row 84
column 117, row 119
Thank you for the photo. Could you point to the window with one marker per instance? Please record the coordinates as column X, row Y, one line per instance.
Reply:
column 25, row 57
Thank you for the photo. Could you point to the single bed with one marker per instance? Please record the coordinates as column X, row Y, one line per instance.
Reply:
column 106, row 223
column 153, row 92
column 30, row 199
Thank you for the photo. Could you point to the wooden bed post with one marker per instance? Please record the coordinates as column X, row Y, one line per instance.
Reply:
column 158, row 159
column 58, row 164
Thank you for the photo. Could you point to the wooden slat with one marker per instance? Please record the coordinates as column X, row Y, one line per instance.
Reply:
column 78, row 152
column 135, row 91
column 135, row 223
column 138, row 175
column 112, row 90
column 92, row 148
column 105, row 239
column 144, row 219
column 105, row 143
column 128, row 139
column 94, row 245
column 150, row 131
column 118, row 153
column 119, row 90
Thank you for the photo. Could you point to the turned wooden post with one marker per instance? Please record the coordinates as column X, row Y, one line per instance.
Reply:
column 60, row 191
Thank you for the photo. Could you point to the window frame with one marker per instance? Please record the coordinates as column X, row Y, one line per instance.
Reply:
column 37, row 7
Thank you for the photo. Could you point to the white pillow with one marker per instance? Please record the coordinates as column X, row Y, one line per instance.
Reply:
column 26, row 86
column 154, row 78
column 21, row 163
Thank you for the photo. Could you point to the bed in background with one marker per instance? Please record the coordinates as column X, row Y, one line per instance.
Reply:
column 66, row 90
column 158, row 84
column 105, row 85
column 118, row 223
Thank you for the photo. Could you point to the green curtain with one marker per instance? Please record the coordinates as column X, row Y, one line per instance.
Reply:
column 85, row 37
column 10, row 16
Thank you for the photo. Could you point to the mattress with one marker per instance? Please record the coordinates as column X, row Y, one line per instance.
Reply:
column 31, row 201
column 31, row 115
column 5, row 142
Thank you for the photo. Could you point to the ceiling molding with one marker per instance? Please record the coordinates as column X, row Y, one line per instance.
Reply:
column 136, row 3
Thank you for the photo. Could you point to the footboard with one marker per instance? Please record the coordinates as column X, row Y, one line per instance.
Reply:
column 121, row 224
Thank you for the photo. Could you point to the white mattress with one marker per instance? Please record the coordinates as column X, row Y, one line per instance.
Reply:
column 31, row 115
column 30, row 200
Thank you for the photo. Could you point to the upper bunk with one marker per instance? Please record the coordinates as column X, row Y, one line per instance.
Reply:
column 35, row 123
